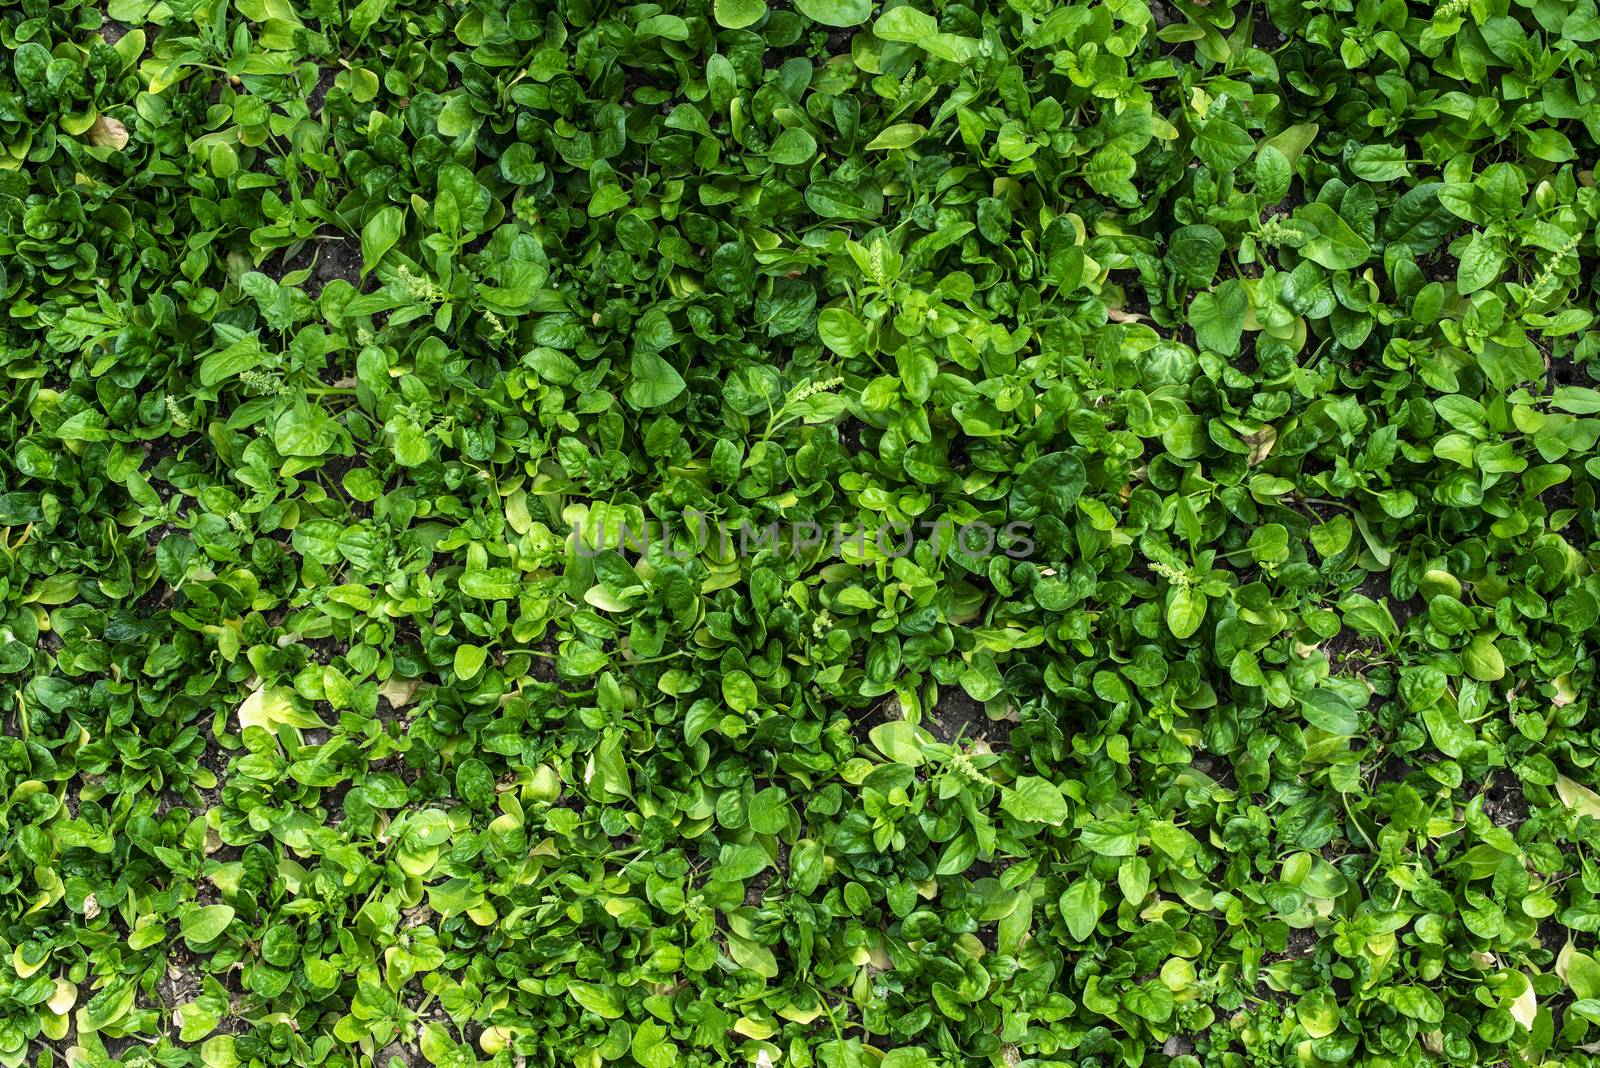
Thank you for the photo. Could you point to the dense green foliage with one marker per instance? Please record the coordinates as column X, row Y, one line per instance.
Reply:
column 340, row 725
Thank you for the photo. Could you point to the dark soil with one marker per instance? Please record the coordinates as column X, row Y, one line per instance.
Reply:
column 397, row 1053
column 850, row 435
column 341, row 258
column 181, row 983
column 1163, row 14
column 1135, row 300
column 1564, row 371
column 216, row 762
column 1558, row 497
column 1351, row 653
column 1404, row 610
column 543, row 668
column 319, row 93
column 1219, row 769
column 326, row 650
column 153, row 536
column 957, row 716
column 334, row 468
column 328, row 257
column 113, row 31
column 1322, row 511
column 156, row 450
column 1438, row 266
column 755, row 894
column 1504, row 803
column 116, row 1047
column 1266, row 36
column 1394, row 769
column 1376, row 585
column 1552, row 936
column 1302, row 942
column 885, row 711
column 979, row 869
column 332, row 798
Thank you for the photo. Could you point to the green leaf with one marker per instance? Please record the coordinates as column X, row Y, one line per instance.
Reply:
column 206, row 923
column 900, row 741
column 1326, row 709
column 1081, row 907
column 366, row 15
column 651, row 1046
column 840, row 13
column 491, row 584
column 842, row 332
column 736, row 863
column 1218, row 318
column 1483, row 660
column 905, row 23
column 243, row 355
column 792, row 147
column 1049, row 485
column 769, row 811
column 381, row 233
column 304, row 431
column 739, row 691
column 1481, row 263
column 1195, row 253
column 603, row 1001
column 272, row 706
column 652, row 381
column 1035, row 800
column 1336, row 246
column 1222, row 144
column 900, row 135
column 1380, row 163
column 469, row 660
column 1272, row 174
column 737, row 14
column 520, row 164
column 1186, row 610
column 1109, row 172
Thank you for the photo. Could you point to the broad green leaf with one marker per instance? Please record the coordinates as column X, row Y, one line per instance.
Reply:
column 842, row 332
column 1329, row 711
column 1035, row 800
column 601, row 1000
column 900, row 741
column 1336, row 246
column 737, row 14
column 1222, row 144
column 792, row 147
column 1081, row 907
column 382, row 232
column 841, row 13
column 1186, row 610
column 243, row 355
column 206, row 923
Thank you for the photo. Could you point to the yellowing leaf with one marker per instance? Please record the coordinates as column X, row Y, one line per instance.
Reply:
column 1579, row 798
column 397, row 691
column 1525, row 1006
column 270, row 706
column 107, row 133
